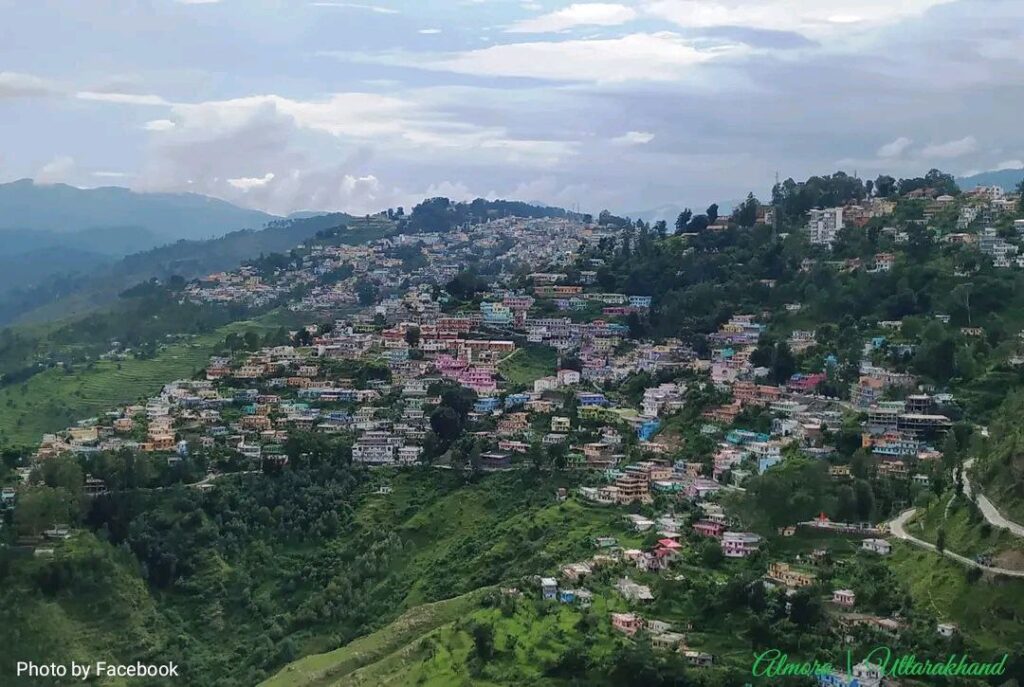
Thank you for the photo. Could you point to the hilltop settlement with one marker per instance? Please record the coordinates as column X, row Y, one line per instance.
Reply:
column 703, row 404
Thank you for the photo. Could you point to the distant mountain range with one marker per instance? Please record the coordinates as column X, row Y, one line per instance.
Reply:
column 28, row 206
column 1005, row 178
column 49, row 230
column 73, row 290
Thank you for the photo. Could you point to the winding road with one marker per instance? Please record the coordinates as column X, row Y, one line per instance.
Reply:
column 897, row 528
column 991, row 513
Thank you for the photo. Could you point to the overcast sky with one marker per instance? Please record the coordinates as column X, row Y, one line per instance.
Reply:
column 289, row 105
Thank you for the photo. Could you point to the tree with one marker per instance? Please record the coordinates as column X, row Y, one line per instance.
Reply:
column 62, row 472
column 698, row 224
column 483, row 640
column 745, row 214
column 464, row 285
column 712, row 213
column 885, row 186
column 366, row 292
column 42, row 507
column 412, row 336
column 683, row 220
column 446, row 423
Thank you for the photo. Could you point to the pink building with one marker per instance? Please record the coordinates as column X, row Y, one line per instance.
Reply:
column 706, row 528
column 740, row 544
column 627, row 623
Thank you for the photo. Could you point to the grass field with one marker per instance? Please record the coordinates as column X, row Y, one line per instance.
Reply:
column 341, row 666
column 967, row 533
column 990, row 611
column 56, row 398
column 527, row 364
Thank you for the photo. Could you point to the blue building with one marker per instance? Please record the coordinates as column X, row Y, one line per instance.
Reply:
column 640, row 301
column 495, row 313
column 739, row 437
column 514, row 400
column 587, row 398
column 487, row 404
column 647, row 430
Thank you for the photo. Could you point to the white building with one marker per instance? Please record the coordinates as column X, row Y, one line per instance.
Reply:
column 823, row 225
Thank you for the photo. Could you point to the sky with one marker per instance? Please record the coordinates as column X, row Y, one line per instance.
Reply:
column 288, row 105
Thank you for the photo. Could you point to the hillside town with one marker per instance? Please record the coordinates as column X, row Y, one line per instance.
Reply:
column 543, row 358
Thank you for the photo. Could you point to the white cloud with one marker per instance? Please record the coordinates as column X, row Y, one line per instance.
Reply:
column 384, row 121
column 379, row 9
column 812, row 18
column 634, row 57
column 248, row 183
column 122, row 98
column 198, row 2
column 951, row 149
column 16, row 85
column 111, row 175
column 159, row 125
column 634, row 138
column 429, row 32
column 56, row 170
column 577, row 14
column 895, row 148
column 1009, row 164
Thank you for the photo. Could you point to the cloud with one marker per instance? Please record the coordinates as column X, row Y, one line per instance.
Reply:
column 249, row 183
column 16, row 85
column 56, row 170
column 895, row 148
column 429, row 32
column 333, row 152
column 379, row 9
column 812, row 18
column 951, row 149
column 577, row 14
column 111, row 175
column 159, row 125
column 1009, row 164
column 384, row 121
column 634, row 138
column 634, row 57
column 121, row 98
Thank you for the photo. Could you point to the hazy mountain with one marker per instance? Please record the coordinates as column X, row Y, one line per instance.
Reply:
column 1006, row 178
column 70, row 290
column 28, row 206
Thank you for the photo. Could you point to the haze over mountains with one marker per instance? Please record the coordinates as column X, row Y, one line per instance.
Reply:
column 56, row 229
column 1007, row 179
column 123, row 215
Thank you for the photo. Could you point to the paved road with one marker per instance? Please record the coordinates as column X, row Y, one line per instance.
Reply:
column 990, row 512
column 897, row 528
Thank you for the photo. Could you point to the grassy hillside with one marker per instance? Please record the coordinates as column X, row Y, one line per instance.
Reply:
column 56, row 398
column 339, row 666
column 966, row 532
column 990, row 612
column 256, row 578
column 528, row 364
column 90, row 604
